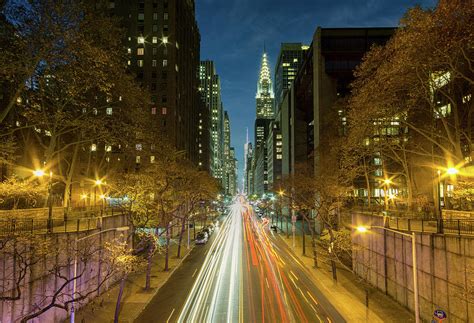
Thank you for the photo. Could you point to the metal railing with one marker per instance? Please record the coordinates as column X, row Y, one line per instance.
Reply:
column 41, row 226
column 453, row 226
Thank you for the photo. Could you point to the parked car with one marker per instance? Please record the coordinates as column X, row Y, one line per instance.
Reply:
column 201, row 238
column 207, row 230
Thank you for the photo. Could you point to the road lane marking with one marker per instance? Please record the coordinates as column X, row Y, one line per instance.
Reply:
column 194, row 273
column 268, row 285
column 169, row 317
column 312, row 297
column 291, row 272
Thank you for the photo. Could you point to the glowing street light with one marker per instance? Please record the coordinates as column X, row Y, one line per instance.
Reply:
column 362, row 229
column 452, row 171
column 38, row 173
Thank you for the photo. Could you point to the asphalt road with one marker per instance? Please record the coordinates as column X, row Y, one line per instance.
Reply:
column 244, row 274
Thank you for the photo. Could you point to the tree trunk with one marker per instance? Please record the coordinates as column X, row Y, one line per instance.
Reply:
column 67, row 190
column 331, row 247
column 148, row 267
column 167, row 250
column 183, row 226
column 119, row 298
column 313, row 239
column 367, row 183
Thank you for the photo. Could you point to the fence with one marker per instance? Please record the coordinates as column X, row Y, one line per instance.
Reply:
column 41, row 226
column 456, row 226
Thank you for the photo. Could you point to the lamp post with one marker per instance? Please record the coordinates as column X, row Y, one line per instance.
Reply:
column 386, row 183
column 97, row 182
column 40, row 173
column 412, row 235
column 74, row 281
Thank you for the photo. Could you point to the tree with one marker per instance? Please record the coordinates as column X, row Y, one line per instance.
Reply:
column 16, row 193
column 71, row 87
column 124, row 263
column 411, row 98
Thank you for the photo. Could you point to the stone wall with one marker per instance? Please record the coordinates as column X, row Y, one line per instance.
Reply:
column 445, row 268
column 38, row 286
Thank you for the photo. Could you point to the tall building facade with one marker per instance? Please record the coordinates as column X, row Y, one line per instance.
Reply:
column 265, row 113
column 163, row 45
column 288, row 63
column 210, row 89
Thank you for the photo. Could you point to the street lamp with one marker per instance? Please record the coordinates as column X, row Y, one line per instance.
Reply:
column 363, row 229
column 74, row 281
column 40, row 173
column 97, row 182
column 450, row 171
column 386, row 183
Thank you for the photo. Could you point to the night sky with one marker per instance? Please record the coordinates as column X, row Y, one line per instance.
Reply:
column 233, row 33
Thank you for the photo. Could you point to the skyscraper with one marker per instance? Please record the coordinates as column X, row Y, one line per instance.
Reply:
column 163, row 45
column 288, row 63
column 265, row 114
column 210, row 89
column 265, row 97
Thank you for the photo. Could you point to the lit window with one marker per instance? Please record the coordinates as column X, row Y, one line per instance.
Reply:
column 165, row 62
column 154, row 40
column 140, row 63
column 93, row 147
column 177, row 45
column 176, row 67
column 129, row 62
column 141, row 40
column 140, row 51
column 153, row 110
column 155, row 16
column 94, row 111
column 164, row 111
column 279, row 156
column 165, row 40
column 108, row 111
column 129, row 50
column 141, row 16
column 138, row 147
column 152, row 159
column 108, row 148
column 137, row 159
column 153, row 63
column 84, row 110
column 165, row 16
column 377, row 161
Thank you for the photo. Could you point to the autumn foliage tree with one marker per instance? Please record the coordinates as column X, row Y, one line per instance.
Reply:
column 411, row 103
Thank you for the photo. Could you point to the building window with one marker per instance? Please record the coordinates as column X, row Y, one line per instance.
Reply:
column 155, row 40
column 93, row 147
column 155, row 16
column 164, row 75
column 155, row 50
column 153, row 110
column 164, row 99
column 137, row 159
column 152, row 159
column 140, row 51
column 129, row 62
column 141, row 16
column 165, row 16
column 140, row 63
column 164, row 40
column 94, row 111
column 164, row 111
column 108, row 111
column 165, row 62
column 153, row 63
column 138, row 147
column 165, row 28
column 141, row 40
column 155, row 28
column 165, row 51
column 108, row 148
column 129, row 50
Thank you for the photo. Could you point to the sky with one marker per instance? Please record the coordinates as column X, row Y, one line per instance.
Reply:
column 233, row 34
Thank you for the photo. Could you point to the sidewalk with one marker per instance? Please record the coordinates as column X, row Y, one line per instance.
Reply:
column 134, row 298
column 348, row 294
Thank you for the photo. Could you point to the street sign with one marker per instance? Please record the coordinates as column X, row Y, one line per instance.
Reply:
column 440, row 315
column 293, row 218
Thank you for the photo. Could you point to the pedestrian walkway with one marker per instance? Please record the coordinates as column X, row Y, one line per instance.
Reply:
column 348, row 294
column 134, row 298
